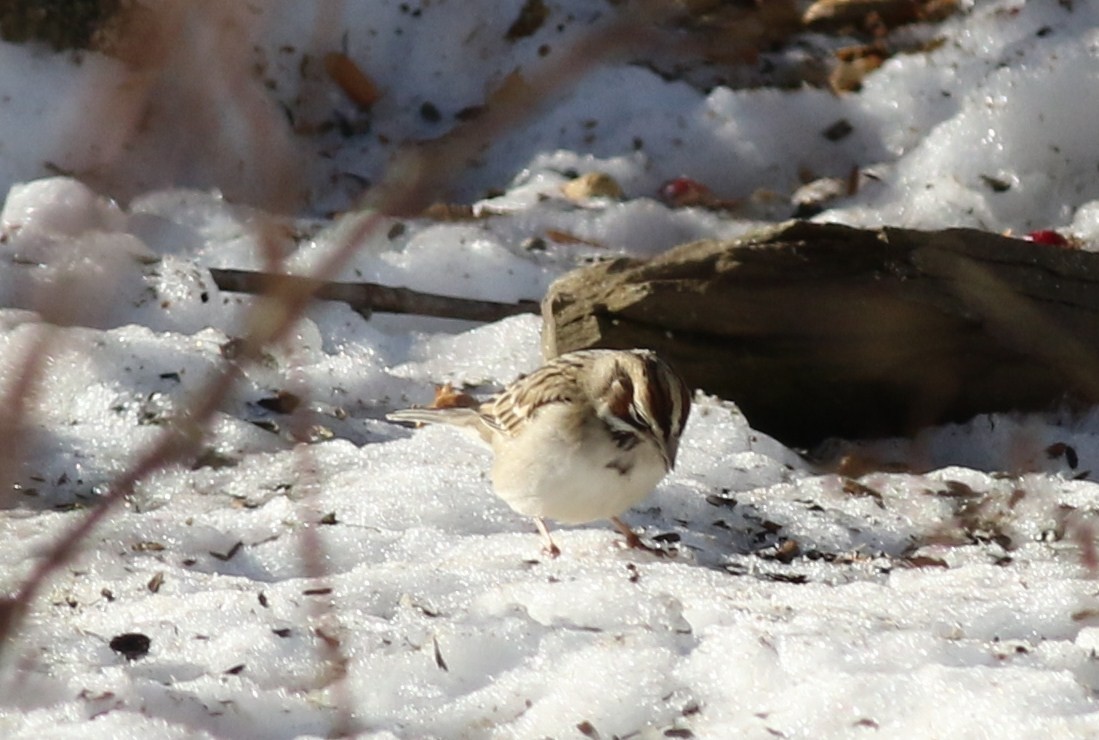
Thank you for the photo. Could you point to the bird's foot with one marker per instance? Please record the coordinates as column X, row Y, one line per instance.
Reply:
column 634, row 542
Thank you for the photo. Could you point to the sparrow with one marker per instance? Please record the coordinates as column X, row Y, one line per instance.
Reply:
column 584, row 437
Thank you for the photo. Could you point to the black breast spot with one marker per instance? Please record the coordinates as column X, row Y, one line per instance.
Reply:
column 622, row 466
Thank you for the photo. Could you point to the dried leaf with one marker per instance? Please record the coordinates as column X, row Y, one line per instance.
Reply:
column 869, row 14
column 996, row 184
column 1084, row 534
column 839, row 130
column 957, row 489
column 925, row 561
column 563, row 237
column 787, row 551
column 854, row 488
column 1061, row 449
column 592, row 185
column 853, row 64
column 715, row 500
column 131, row 645
column 531, row 17
column 147, row 546
column 447, row 397
column 438, row 655
column 211, row 458
column 228, row 555
column 450, row 212
column 283, row 402
column 587, row 729
column 351, row 79
column 513, row 88
column 156, row 582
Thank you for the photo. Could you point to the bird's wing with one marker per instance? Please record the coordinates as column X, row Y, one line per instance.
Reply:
column 510, row 410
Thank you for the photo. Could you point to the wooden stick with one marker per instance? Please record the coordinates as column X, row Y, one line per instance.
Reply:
column 369, row 297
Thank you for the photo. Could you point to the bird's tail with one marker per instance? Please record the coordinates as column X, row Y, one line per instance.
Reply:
column 457, row 416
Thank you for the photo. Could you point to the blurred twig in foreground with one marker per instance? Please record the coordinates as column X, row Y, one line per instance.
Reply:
column 412, row 182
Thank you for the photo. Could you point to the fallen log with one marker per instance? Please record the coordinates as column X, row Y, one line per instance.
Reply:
column 823, row 330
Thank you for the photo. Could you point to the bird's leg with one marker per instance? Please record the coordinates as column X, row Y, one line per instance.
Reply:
column 549, row 548
column 632, row 540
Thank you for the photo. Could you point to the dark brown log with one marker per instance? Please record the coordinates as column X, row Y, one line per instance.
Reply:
column 821, row 330
column 369, row 297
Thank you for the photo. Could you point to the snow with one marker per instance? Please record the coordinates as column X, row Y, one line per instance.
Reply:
column 952, row 599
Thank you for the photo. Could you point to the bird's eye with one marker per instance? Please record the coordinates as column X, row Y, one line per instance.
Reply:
column 638, row 419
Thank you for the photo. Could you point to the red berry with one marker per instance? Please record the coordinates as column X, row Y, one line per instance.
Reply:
column 683, row 191
column 1048, row 237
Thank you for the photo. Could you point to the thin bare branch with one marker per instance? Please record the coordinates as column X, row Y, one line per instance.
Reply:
column 366, row 298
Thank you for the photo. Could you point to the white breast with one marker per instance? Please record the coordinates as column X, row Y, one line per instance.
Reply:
column 565, row 466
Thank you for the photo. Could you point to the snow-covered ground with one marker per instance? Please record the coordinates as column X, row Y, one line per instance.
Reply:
column 366, row 579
